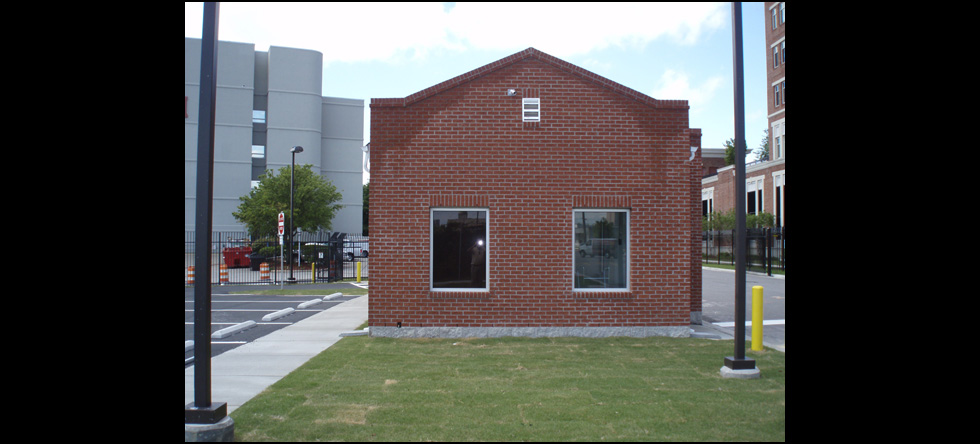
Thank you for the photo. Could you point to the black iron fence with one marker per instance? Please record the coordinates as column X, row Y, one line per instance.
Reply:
column 765, row 248
column 236, row 259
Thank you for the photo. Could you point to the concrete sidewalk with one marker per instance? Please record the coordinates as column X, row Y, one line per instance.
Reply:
column 243, row 372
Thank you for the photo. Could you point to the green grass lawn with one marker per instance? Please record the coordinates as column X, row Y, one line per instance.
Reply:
column 521, row 389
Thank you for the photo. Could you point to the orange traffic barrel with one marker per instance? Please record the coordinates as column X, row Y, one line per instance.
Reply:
column 190, row 275
column 223, row 274
column 264, row 271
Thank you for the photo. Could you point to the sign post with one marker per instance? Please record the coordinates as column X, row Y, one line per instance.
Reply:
column 282, row 229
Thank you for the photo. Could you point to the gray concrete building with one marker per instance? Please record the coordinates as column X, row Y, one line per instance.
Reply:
column 268, row 102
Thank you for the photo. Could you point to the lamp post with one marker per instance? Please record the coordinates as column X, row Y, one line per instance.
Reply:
column 292, row 169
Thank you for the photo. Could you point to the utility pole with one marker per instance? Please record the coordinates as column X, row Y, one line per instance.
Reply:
column 739, row 362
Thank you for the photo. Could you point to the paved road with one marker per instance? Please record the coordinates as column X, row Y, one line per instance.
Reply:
column 718, row 304
column 229, row 307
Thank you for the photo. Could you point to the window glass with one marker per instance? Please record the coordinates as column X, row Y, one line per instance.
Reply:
column 258, row 116
column 601, row 254
column 459, row 249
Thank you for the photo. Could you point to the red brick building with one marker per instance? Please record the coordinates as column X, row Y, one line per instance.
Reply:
column 765, row 182
column 530, row 197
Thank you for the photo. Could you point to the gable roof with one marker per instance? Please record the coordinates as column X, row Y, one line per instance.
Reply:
column 531, row 53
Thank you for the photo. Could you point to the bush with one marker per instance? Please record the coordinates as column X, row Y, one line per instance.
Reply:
column 726, row 221
column 266, row 246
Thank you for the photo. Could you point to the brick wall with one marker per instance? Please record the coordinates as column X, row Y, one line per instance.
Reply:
column 598, row 145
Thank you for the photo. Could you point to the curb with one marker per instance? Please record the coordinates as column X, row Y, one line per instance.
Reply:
column 224, row 332
column 277, row 314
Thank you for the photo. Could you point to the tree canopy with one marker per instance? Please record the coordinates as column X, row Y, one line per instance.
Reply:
column 314, row 202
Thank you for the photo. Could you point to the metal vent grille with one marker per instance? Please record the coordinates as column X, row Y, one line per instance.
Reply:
column 531, row 109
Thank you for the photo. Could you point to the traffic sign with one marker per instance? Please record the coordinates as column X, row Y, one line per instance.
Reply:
column 282, row 219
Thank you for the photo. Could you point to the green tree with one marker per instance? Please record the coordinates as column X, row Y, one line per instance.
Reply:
column 730, row 152
column 762, row 152
column 314, row 202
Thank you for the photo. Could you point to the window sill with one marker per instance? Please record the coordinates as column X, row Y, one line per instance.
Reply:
column 602, row 294
column 460, row 294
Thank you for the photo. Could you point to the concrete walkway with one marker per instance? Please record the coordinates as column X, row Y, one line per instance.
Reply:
column 243, row 372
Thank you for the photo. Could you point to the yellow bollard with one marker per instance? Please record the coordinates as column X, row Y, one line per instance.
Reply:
column 358, row 272
column 757, row 318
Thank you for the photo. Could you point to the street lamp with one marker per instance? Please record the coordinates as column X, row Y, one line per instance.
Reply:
column 292, row 169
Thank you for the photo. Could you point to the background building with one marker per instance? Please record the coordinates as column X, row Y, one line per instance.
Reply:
column 776, row 76
column 765, row 180
column 268, row 102
column 531, row 197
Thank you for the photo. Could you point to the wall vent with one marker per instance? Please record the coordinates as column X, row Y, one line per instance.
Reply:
column 531, row 110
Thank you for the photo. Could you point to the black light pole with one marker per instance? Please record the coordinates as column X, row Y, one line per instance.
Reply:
column 202, row 410
column 739, row 362
column 292, row 170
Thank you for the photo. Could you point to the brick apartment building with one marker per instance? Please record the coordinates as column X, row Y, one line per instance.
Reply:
column 765, row 181
column 531, row 197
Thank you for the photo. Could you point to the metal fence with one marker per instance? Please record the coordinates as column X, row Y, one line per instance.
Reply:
column 765, row 248
column 317, row 257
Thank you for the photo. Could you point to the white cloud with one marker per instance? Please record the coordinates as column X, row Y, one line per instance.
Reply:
column 351, row 32
column 674, row 85
column 566, row 29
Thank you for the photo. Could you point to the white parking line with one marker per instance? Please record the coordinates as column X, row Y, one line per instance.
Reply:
column 250, row 309
column 233, row 323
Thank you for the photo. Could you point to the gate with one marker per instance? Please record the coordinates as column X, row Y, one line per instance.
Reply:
column 329, row 258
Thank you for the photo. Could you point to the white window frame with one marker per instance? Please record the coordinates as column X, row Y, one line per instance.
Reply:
column 531, row 109
column 756, row 185
column 778, row 137
column 629, row 234
column 708, row 194
column 779, row 182
column 486, row 260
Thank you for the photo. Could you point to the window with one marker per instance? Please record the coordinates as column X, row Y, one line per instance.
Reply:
column 782, row 51
column 753, row 195
column 773, row 12
column 707, row 202
column 258, row 151
column 531, row 110
column 782, row 12
column 778, row 136
column 775, row 56
column 783, row 87
column 601, row 249
column 258, row 116
column 459, row 249
column 779, row 179
column 775, row 91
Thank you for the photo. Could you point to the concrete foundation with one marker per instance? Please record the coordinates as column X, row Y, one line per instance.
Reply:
column 222, row 431
column 528, row 332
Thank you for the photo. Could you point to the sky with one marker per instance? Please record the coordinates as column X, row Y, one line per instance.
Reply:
column 675, row 51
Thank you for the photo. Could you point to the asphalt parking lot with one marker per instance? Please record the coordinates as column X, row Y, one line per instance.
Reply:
column 230, row 309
